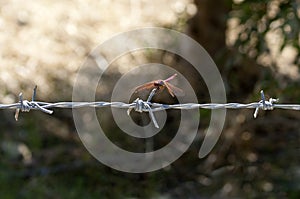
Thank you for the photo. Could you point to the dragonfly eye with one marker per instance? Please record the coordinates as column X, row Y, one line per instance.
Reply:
column 159, row 83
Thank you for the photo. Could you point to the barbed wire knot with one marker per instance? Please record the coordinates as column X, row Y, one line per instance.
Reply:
column 265, row 105
column 140, row 105
column 144, row 106
column 26, row 106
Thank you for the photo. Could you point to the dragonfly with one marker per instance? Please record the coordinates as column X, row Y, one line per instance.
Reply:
column 160, row 85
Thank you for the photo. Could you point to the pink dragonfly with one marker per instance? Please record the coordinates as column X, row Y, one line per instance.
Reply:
column 160, row 85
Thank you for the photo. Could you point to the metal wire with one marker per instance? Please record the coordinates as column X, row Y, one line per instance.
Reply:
column 143, row 106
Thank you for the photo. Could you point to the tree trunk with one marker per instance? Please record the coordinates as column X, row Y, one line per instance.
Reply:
column 208, row 26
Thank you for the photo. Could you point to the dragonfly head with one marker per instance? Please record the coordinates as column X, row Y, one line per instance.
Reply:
column 159, row 84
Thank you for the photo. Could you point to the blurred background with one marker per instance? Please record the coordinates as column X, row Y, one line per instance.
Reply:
column 255, row 44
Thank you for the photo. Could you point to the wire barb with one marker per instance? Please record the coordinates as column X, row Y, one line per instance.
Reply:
column 151, row 94
column 34, row 93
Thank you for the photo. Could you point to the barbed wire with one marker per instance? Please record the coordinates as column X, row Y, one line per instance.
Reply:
column 140, row 105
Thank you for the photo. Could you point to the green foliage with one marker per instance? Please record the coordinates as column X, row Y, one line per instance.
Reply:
column 259, row 17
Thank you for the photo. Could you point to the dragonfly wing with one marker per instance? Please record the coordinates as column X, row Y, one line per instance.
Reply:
column 146, row 86
column 173, row 90
column 170, row 78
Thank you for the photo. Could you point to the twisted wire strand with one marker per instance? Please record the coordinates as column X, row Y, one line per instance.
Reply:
column 143, row 106
column 155, row 106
